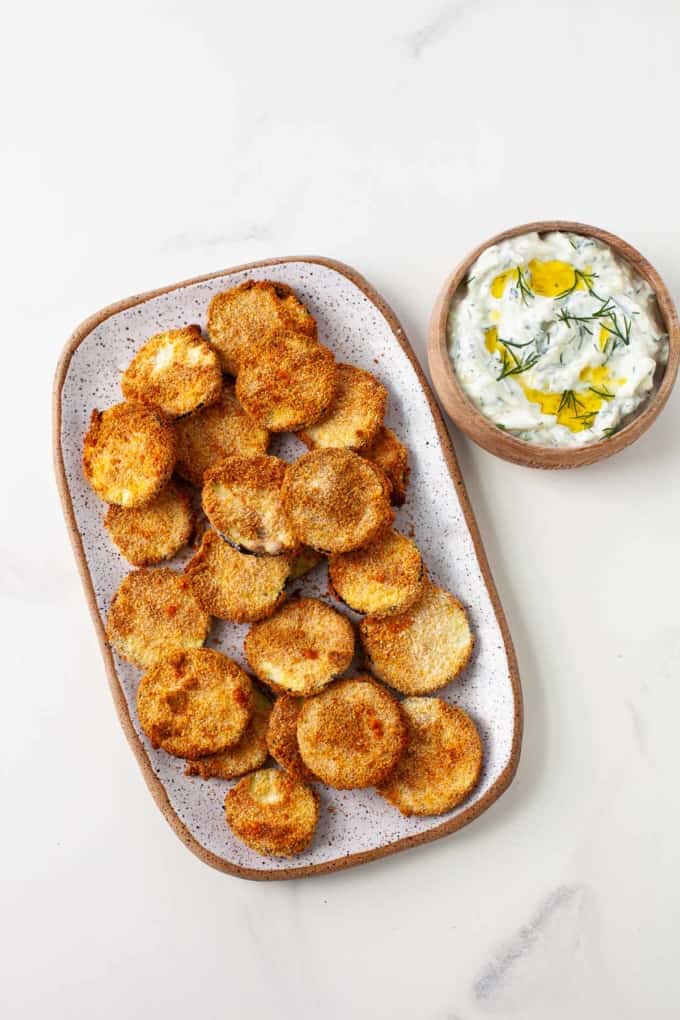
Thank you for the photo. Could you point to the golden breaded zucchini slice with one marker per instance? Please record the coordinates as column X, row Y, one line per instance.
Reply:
column 352, row 734
column 153, row 614
column 233, row 585
column 153, row 532
column 423, row 648
column 355, row 413
column 287, row 381
column 442, row 762
column 301, row 648
column 383, row 578
column 303, row 562
column 240, row 317
column 128, row 454
column 216, row 432
column 272, row 813
column 195, row 703
column 177, row 371
column 245, row 756
column 242, row 500
column 335, row 500
column 391, row 456
column 282, row 737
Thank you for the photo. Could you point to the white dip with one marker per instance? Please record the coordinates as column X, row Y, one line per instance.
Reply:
column 555, row 339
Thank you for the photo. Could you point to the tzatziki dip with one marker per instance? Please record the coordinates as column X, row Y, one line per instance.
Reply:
column 555, row 339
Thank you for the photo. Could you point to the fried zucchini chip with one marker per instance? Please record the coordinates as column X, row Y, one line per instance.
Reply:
column 240, row 317
column 195, row 703
column 153, row 532
column 128, row 453
column 287, row 381
column 423, row 648
column 207, row 437
column 304, row 561
column 242, row 500
column 247, row 755
column 355, row 414
column 176, row 371
column 391, row 456
column 233, row 585
column 272, row 812
column 383, row 578
column 153, row 614
column 282, row 737
column 352, row 734
column 301, row 648
column 442, row 762
column 335, row 500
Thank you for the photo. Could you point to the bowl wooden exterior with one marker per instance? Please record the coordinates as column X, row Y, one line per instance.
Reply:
column 471, row 421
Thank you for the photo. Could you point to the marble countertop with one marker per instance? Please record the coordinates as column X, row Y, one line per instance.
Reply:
column 145, row 143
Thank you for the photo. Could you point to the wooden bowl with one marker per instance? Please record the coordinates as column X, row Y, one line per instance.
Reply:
column 468, row 418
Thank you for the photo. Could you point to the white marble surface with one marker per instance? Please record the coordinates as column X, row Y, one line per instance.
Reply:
column 144, row 143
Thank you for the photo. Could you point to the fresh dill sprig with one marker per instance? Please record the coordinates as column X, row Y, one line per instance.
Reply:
column 570, row 402
column 608, row 315
column 513, row 364
column 525, row 292
column 604, row 392
column 579, row 277
column 587, row 418
column 611, row 430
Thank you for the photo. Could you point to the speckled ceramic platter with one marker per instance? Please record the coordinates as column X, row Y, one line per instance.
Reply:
column 355, row 825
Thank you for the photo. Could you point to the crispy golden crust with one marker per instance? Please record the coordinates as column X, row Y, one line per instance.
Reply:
column 383, row 578
column 423, row 648
column 153, row 532
column 176, row 371
column 242, row 500
column 282, row 737
column 335, row 500
column 194, row 703
column 153, row 614
column 301, row 648
column 239, row 318
column 391, row 456
column 355, row 414
column 128, row 453
column 248, row 754
column 442, row 762
column 233, row 585
column 272, row 813
column 352, row 734
column 287, row 382
column 216, row 432
column 304, row 560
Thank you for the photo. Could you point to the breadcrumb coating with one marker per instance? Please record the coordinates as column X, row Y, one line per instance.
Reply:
column 242, row 500
column 194, row 703
column 128, row 454
column 240, row 317
column 335, row 500
column 245, row 756
column 287, row 381
column 153, row 614
column 383, row 578
column 236, row 586
column 221, row 430
column 153, row 532
column 176, row 371
column 282, row 737
column 352, row 734
column 355, row 413
column 391, row 456
column 301, row 648
column 423, row 648
column 272, row 813
column 442, row 763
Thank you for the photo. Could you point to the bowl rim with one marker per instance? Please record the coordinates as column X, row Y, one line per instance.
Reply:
column 487, row 435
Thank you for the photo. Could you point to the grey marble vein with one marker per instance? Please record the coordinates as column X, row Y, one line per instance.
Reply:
column 437, row 28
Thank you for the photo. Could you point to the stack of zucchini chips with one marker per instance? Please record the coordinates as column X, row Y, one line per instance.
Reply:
column 199, row 413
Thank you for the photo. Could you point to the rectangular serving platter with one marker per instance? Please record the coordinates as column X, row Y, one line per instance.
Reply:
column 356, row 323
